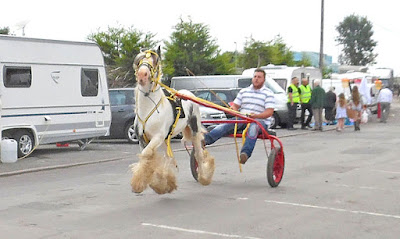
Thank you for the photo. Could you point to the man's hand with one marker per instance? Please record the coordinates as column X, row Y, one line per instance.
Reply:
column 267, row 113
column 253, row 116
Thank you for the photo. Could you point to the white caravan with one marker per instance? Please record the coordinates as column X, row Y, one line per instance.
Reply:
column 52, row 91
column 283, row 74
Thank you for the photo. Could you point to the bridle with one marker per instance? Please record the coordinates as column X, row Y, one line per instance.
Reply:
column 147, row 58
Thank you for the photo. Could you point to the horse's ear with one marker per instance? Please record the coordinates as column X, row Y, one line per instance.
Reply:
column 159, row 51
column 137, row 60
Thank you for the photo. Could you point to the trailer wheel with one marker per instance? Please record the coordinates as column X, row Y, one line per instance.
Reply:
column 275, row 167
column 130, row 134
column 194, row 166
column 25, row 142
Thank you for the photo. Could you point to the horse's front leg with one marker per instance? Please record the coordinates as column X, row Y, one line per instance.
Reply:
column 143, row 171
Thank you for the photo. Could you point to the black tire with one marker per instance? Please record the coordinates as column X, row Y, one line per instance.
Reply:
column 275, row 121
column 25, row 142
column 275, row 167
column 130, row 134
column 193, row 166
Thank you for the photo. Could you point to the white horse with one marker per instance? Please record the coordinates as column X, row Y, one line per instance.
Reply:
column 155, row 119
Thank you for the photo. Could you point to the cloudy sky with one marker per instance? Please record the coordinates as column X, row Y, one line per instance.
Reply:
column 230, row 21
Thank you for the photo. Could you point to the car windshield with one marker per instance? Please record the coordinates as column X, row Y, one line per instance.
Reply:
column 122, row 97
column 217, row 96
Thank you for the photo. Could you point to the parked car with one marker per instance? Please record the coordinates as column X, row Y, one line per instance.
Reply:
column 211, row 114
column 228, row 96
column 222, row 97
column 122, row 102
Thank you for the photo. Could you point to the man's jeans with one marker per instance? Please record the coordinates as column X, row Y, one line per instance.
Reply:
column 225, row 129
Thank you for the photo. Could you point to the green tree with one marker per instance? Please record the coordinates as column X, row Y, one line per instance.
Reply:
column 120, row 46
column 225, row 63
column 4, row 30
column 355, row 36
column 258, row 53
column 192, row 48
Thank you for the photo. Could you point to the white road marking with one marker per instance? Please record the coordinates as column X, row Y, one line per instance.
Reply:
column 242, row 198
column 384, row 171
column 365, row 187
column 334, row 209
column 197, row 231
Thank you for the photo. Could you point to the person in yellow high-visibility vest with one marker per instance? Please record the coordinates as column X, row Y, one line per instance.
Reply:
column 305, row 96
column 293, row 101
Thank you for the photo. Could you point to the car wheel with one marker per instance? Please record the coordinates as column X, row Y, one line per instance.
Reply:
column 275, row 121
column 25, row 142
column 130, row 134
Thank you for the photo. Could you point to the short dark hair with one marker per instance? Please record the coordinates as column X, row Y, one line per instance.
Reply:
column 260, row 70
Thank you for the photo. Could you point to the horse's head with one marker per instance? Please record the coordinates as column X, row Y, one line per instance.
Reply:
column 147, row 67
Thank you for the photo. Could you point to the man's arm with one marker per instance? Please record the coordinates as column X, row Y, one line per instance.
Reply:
column 291, row 98
column 235, row 107
column 266, row 114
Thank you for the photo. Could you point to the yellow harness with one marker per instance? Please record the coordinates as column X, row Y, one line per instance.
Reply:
column 157, row 70
column 153, row 71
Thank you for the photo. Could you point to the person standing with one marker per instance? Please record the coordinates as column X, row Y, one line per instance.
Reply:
column 385, row 99
column 330, row 104
column 293, row 101
column 356, row 105
column 341, row 113
column 317, row 103
column 305, row 96
column 258, row 102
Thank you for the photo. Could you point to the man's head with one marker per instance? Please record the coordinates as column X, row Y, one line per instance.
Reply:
column 304, row 81
column 258, row 78
column 295, row 81
column 317, row 82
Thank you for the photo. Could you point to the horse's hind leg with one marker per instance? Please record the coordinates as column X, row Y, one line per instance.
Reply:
column 144, row 170
column 205, row 161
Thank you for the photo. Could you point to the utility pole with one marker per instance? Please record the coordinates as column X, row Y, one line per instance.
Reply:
column 236, row 55
column 321, row 47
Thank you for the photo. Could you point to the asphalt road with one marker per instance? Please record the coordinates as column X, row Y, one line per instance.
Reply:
column 336, row 185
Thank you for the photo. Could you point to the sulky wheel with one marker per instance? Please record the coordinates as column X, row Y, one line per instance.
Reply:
column 193, row 165
column 275, row 167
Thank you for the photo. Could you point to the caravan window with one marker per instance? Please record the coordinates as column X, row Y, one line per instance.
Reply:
column 18, row 77
column 89, row 82
column 281, row 82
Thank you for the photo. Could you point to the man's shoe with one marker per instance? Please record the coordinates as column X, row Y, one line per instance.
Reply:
column 243, row 158
column 309, row 126
column 304, row 127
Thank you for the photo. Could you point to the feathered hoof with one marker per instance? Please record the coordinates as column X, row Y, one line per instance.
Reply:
column 140, row 178
column 163, row 181
column 208, row 168
column 138, row 186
